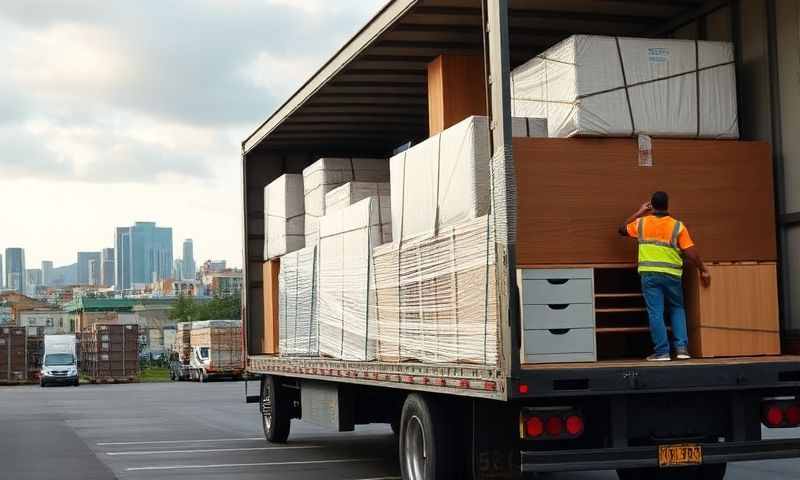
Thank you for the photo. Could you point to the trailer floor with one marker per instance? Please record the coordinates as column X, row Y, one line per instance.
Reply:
column 631, row 363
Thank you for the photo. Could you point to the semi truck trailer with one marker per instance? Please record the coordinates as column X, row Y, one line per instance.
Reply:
column 525, row 411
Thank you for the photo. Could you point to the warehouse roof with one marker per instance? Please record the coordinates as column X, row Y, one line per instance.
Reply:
column 371, row 96
column 99, row 304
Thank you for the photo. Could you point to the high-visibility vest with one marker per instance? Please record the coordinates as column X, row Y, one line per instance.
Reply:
column 657, row 252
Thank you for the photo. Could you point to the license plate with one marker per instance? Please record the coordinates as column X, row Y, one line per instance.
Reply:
column 679, row 455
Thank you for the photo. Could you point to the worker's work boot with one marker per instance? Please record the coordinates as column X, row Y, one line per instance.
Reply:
column 659, row 357
column 682, row 353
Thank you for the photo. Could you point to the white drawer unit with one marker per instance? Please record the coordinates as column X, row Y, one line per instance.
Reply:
column 558, row 318
column 559, row 315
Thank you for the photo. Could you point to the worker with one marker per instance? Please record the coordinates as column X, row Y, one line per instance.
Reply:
column 663, row 244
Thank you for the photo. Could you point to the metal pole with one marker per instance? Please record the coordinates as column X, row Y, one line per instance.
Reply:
column 504, row 195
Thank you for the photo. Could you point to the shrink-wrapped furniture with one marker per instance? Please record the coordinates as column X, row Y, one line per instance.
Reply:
column 617, row 86
column 284, row 215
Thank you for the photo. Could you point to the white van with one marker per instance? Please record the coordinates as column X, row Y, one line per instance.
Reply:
column 60, row 365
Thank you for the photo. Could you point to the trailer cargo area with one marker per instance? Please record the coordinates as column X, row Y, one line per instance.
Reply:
column 472, row 290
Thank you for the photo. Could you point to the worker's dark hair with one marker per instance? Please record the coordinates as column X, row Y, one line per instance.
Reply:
column 660, row 201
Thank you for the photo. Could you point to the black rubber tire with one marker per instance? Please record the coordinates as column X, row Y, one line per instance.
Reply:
column 275, row 409
column 77, row 383
column 203, row 376
column 428, row 415
column 42, row 383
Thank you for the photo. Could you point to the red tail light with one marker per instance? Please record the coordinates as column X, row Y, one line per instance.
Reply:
column 793, row 415
column 574, row 425
column 774, row 416
column 534, row 427
column 554, row 426
column 780, row 412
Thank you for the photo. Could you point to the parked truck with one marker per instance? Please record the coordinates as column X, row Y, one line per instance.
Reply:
column 207, row 349
column 60, row 362
column 542, row 395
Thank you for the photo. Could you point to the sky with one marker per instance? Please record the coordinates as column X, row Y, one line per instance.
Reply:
column 116, row 112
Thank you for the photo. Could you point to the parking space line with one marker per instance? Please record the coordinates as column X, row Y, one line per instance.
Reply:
column 210, row 450
column 260, row 464
column 182, row 441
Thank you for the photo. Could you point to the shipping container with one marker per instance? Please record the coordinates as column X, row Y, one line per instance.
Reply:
column 13, row 355
column 559, row 382
column 110, row 353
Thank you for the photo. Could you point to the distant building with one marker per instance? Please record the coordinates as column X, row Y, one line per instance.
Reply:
column 83, row 266
column 6, row 314
column 177, row 270
column 2, row 275
column 33, row 280
column 189, row 266
column 143, row 255
column 94, row 272
column 66, row 275
column 15, row 269
column 107, row 268
column 210, row 266
column 226, row 283
column 47, row 320
column 47, row 272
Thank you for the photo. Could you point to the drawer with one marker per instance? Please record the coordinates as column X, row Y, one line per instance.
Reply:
column 561, row 358
column 547, row 273
column 552, row 291
column 564, row 315
column 576, row 340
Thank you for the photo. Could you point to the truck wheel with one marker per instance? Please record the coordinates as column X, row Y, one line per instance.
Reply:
column 203, row 376
column 427, row 451
column 275, row 417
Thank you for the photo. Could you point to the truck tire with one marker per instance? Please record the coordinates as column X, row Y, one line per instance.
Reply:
column 203, row 376
column 275, row 410
column 427, row 449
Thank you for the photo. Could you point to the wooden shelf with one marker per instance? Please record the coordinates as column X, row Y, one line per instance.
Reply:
column 622, row 330
column 620, row 310
column 617, row 295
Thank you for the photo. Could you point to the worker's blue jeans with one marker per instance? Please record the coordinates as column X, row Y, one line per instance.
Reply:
column 660, row 290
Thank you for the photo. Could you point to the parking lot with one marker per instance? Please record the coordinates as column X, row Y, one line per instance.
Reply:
column 199, row 431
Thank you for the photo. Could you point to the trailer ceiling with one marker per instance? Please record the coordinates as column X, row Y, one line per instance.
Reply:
column 371, row 96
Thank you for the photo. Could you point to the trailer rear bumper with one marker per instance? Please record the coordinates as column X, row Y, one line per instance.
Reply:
column 637, row 457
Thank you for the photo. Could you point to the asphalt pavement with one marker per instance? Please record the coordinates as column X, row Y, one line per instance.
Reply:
column 202, row 431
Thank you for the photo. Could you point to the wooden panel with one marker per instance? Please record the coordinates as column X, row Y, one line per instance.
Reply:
column 737, row 315
column 573, row 194
column 271, row 293
column 456, row 90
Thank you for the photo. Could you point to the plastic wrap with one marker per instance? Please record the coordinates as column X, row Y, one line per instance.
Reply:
column 436, row 298
column 615, row 86
column 284, row 216
column 224, row 339
column 444, row 180
column 346, row 319
column 328, row 173
column 297, row 303
column 353, row 192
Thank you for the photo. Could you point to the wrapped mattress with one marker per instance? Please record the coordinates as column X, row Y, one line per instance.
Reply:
column 298, row 324
column 284, row 216
column 325, row 174
column 616, row 86
column 346, row 313
column 444, row 180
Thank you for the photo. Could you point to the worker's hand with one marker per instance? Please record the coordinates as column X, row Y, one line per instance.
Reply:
column 645, row 209
column 705, row 278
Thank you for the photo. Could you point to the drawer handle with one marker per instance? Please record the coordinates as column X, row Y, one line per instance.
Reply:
column 559, row 331
column 557, row 281
column 558, row 306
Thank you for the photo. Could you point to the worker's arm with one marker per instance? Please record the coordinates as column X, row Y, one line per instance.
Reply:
column 693, row 256
column 645, row 209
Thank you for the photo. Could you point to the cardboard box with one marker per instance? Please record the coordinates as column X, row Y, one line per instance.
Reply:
column 283, row 209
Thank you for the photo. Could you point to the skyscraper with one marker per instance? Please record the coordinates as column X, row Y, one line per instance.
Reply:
column 33, row 278
column 143, row 254
column 107, row 268
column 83, row 266
column 177, row 270
column 189, row 267
column 94, row 272
column 2, row 276
column 15, row 269
column 47, row 272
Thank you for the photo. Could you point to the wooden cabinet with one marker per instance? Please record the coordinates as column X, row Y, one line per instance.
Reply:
column 456, row 90
column 737, row 315
column 271, row 293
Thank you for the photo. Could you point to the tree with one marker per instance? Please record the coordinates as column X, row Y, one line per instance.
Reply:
column 184, row 310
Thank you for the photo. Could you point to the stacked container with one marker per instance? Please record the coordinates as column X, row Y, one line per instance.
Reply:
column 110, row 353
column 13, row 355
